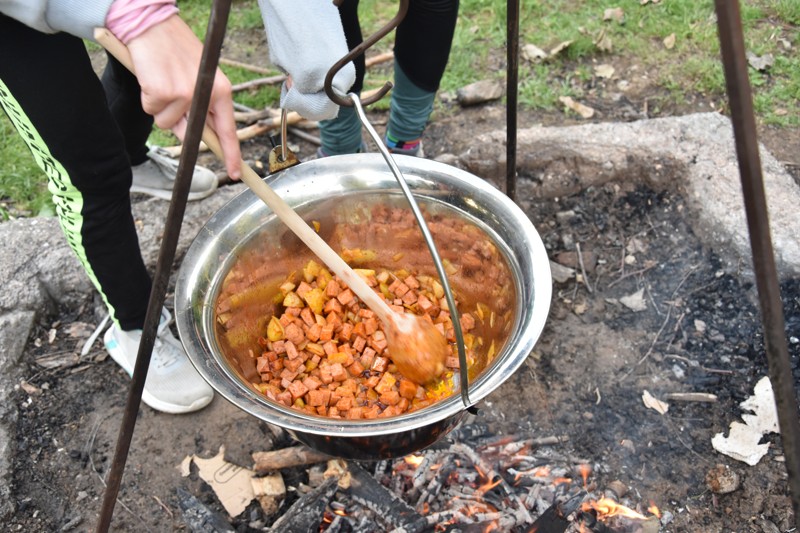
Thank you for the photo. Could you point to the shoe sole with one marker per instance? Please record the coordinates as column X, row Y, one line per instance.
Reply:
column 167, row 195
column 147, row 397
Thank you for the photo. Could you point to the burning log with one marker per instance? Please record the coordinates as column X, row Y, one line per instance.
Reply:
column 436, row 484
column 374, row 496
column 286, row 458
column 306, row 512
column 523, row 515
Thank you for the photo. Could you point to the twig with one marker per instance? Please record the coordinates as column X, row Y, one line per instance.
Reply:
column 583, row 269
column 246, row 66
column 629, row 274
column 652, row 345
column 167, row 509
column 313, row 139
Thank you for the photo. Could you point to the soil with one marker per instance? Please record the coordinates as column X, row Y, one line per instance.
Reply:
column 700, row 332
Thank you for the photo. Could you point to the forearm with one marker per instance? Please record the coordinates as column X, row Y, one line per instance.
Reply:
column 51, row 16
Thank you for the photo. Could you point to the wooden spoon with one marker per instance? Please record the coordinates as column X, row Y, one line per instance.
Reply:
column 417, row 348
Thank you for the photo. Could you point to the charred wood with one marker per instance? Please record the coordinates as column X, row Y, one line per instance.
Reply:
column 306, row 512
column 387, row 506
column 199, row 518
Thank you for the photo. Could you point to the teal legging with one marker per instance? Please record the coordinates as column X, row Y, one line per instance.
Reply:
column 422, row 48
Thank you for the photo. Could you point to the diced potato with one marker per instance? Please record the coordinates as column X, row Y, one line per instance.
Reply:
column 287, row 287
column 357, row 255
column 310, row 271
column 315, row 298
column 292, row 300
column 275, row 330
column 438, row 290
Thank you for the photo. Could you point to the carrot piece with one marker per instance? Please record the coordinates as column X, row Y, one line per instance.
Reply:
column 294, row 364
column 390, row 397
column 307, row 315
column 345, row 297
column 297, row 389
column 326, row 333
column 346, row 332
column 314, row 332
column 359, row 343
column 380, row 364
column 262, row 365
column 407, row 388
column 332, row 289
column 359, row 330
column 312, row 383
column 294, row 333
column 386, row 383
column 338, row 372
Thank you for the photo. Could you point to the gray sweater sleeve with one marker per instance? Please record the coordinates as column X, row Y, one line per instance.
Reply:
column 305, row 39
column 78, row 17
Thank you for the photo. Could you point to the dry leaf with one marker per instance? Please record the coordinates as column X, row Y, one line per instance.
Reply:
column 669, row 41
column 615, row 14
column 760, row 62
column 582, row 110
column 603, row 41
column 559, row 47
column 531, row 52
column 654, row 403
column 635, row 301
column 604, row 71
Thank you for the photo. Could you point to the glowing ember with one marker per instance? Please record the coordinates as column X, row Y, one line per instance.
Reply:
column 606, row 508
column 413, row 460
column 585, row 471
column 562, row 481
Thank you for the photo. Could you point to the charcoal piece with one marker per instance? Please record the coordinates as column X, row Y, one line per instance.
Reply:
column 199, row 518
column 306, row 513
column 375, row 497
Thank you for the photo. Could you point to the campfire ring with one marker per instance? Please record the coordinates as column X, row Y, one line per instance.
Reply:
column 314, row 188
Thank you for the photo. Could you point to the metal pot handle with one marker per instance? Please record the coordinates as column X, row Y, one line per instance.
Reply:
column 451, row 303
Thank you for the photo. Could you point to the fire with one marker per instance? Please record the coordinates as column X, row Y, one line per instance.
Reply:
column 340, row 512
column 585, row 471
column 654, row 510
column 413, row 460
column 606, row 508
column 489, row 485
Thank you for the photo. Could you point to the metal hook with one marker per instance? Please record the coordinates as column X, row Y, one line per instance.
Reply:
column 360, row 49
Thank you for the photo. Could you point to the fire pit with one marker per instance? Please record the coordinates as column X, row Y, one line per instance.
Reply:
column 341, row 192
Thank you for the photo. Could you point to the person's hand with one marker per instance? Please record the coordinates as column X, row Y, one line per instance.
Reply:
column 166, row 58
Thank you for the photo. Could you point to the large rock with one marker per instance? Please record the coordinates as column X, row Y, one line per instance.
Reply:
column 694, row 154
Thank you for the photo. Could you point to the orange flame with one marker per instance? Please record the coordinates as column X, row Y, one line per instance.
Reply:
column 340, row 512
column 606, row 508
column 585, row 471
column 654, row 510
column 562, row 480
column 489, row 485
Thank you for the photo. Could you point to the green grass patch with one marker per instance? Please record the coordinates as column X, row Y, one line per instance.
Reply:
column 637, row 43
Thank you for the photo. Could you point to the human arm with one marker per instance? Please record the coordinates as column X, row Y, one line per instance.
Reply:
column 305, row 39
column 165, row 55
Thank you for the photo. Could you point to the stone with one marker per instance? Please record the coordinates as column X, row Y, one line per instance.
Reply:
column 693, row 154
column 480, row 92
column 721, row 479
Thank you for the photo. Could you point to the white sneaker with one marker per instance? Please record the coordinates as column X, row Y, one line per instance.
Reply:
column 172, row 385
column 156, row 177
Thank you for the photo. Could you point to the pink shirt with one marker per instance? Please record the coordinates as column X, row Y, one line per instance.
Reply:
column 127, row 19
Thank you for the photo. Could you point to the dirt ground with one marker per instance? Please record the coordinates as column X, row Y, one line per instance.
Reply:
column 700, row 332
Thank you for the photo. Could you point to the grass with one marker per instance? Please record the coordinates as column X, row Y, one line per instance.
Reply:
column 635, row 44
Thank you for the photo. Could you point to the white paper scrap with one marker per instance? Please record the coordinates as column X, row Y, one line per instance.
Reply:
column 742, row 442
column 231, row 483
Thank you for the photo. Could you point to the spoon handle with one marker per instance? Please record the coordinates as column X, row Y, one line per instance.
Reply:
column 283, row 211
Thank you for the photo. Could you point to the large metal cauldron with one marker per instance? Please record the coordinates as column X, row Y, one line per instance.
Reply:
column 318, row 190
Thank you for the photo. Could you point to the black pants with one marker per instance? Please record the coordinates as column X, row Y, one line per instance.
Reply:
column 57, row 103
column 422, row 40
